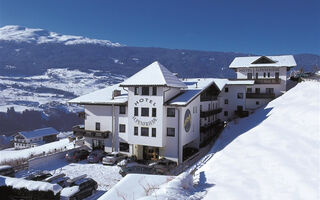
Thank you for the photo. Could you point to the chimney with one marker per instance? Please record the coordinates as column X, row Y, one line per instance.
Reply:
column 116, row 93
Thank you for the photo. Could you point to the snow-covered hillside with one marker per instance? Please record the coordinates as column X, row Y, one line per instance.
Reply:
column 52, row 89
column 40, row 36
column 272, row 154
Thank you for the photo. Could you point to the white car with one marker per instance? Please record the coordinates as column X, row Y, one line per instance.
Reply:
column 113, row 158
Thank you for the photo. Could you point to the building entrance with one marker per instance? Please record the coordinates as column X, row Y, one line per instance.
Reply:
column 97, row 144
column 150, row 153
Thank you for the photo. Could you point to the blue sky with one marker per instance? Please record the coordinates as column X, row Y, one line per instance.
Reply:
column 247, row 26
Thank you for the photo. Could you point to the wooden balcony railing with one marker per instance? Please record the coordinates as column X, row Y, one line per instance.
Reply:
column 79, row 131
column 210, row 112
column 213, row 125
column 241, row 113
column 267, row 81
column 260, row 95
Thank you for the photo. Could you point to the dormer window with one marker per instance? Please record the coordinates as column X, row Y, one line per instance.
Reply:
column 145, row 91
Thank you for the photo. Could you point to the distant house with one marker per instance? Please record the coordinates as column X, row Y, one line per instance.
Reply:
column 27, row 139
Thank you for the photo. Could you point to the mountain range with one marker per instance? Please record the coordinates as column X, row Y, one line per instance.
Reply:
column 28, row 51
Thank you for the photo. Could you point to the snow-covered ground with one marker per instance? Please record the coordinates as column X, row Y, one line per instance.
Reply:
column 6, row 155
column 272, row 154
column 55, row 85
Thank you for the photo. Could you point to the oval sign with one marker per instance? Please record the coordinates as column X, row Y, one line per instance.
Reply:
column 187, row 120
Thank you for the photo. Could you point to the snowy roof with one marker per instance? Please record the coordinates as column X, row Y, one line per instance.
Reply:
column 264, row 61
column 18, row 183
column 103, row 96
column 195, row 87
column 154, row 74
column 39, row 132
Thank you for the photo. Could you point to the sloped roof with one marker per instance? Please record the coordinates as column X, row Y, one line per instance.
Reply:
column 195, row 87
column 154, row 74
column 102, row 96
column 39, row 132
column 275, row 61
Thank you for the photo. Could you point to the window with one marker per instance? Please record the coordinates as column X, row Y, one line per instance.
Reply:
column 98, row 126
column 240, row 108
column 145, row 112
column 240, row 95
column 249, row 75
column 122, row 110
column 209, row 107
column 171, row 112
column 226, row 101
column 257, row 103
column 136, row 111
column 136, row 91
column 277, row 75
column 171, row 132
column 144, row 131
column 122, row 128
column 249, row 90
column 154, row 132
column 200, row 107
column 145, row 91
column 257, row 75
column 124, row 147
column 136, row 130
column 269, row 90
column 268, row 74
column 264, row 74
column 154, row 91
column 257, row 90
column 225, row 113
column 226, row 89
column 154, row 112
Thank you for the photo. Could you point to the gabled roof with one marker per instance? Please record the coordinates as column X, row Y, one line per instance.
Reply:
column 195, row 87
column 103, row 96
column 39, row 132
column 264, row 61
column 154, row 75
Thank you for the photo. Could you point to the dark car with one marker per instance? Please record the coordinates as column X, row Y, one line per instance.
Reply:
column 6, row 170
column 79, row 189
column 136, row 169
column 163, row 166
column 75, row 156
column 38, row 176
column 96, row 156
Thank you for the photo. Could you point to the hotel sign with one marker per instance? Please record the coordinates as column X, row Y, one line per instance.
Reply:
column 138, row 120
column 187, row 120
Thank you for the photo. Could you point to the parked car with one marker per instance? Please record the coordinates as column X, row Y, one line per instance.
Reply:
column 96, row 156
column 163, row 166
column 113, row 158
column 136, row 169
column 75, row 156
column 38, row 176
column 80, row 189
column 6, row 170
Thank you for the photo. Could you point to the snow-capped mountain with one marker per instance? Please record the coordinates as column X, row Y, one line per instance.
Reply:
column 40, row 36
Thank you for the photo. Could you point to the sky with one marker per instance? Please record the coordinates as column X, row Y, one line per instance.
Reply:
column 265, row 27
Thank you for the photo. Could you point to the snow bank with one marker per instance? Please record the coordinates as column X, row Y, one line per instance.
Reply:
column 135, row 186
column 69, row 191
column 26, row 153
column 272, row 154
column 18, row 183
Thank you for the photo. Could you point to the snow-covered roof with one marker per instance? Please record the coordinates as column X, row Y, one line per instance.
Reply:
column 18, row 183
column 266, row 61
column 39, row 132
column 154, row 74
column 195, row 87
column 103, row 96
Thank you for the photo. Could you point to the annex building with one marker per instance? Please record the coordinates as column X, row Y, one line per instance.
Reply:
column 155, row 114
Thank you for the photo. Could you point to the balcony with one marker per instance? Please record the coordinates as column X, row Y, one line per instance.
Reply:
column 241, row 113
column 79, row 131
column 260, row 95
column 210, row 112
column 267, row 81
column 214, row 125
